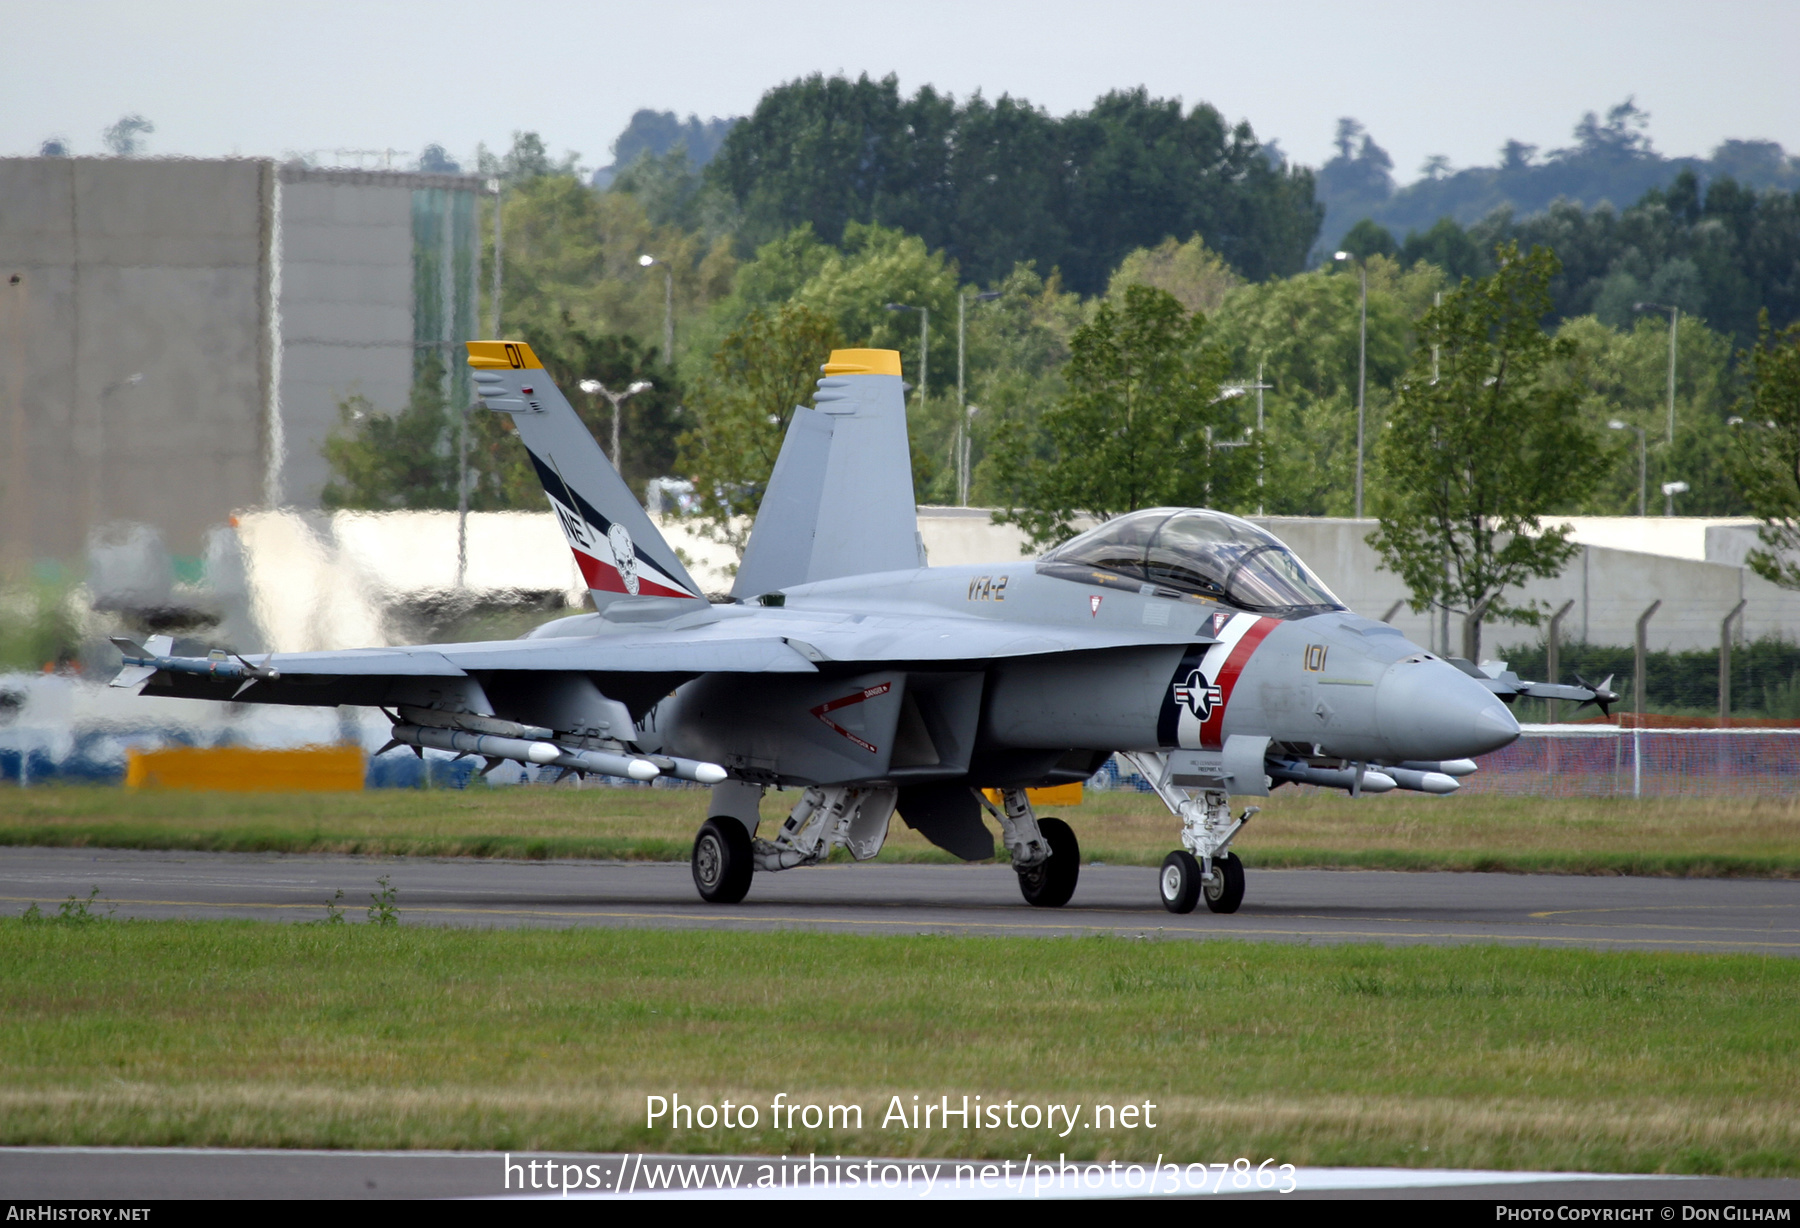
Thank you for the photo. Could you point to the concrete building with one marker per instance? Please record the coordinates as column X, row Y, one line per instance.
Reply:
column 176, row 335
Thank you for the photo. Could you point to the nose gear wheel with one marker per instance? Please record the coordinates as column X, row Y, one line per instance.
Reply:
column 1180, row 881
column 1226, row 890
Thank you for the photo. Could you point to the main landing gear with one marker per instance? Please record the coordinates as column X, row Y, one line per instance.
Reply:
column 727, row 851
column 1205, row 869
column 1045, row 854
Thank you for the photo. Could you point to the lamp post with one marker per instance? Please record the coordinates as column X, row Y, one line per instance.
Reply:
column 1670, row 490
column 1643, row 455
column 1362, row 371
column 924, row 345
column 668, row 305
column 495, row 186
column 968, row 425
column 1238, row 390
column 592, row 386
column 962, row 422
column 1674, row 320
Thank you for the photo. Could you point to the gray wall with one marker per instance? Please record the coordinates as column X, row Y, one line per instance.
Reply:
column 130, row 269
column 155, row 302
column 1610, row 589
column 346, row 309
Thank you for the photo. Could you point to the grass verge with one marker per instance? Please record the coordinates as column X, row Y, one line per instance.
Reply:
column 1714, row 837
column 239, row 1034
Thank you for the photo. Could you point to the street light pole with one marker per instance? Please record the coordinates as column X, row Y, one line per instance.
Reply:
column 1674, row 322
column 962, row 420
column 1362, row 371
column 592, row 386
column 494, row 186
column 1643, row 459
column 668, row 305
column 924, row 346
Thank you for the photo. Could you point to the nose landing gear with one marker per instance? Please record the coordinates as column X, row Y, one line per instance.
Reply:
column 1204, row 868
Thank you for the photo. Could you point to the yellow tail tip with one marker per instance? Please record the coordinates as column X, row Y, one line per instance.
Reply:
column 863, row 362
column 502, row 355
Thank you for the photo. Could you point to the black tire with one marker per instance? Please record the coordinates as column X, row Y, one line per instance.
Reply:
column 1050, row 883
column 1180, row 881
column 722, row 861
column 1226, row 891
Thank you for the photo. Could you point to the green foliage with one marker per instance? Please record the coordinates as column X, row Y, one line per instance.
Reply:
column 572, row 261
column 1018, row 350
column 1626, row 375
column 1368, row 238
column 764, row 368
column 650, row 423
column 383, row 461
column 1198, row 277
column 383, row 908
column 1131, row 431
column 1722, row 253
column 1472, row 459
column 1766, row 461
column 1450, row 248
column 1301, row 333
column 1000, row 183
column 73, row 911
column 37, row 628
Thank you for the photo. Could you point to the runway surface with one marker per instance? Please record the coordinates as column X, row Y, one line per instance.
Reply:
column 1280, row 905
column 155, row 1173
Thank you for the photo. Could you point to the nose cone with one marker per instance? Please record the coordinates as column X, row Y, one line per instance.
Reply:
column 1432, row 710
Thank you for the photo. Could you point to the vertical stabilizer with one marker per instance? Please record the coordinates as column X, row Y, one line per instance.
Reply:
column 621, row 555
column 840, row 502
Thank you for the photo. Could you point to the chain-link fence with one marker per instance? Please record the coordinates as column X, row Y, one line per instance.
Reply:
column 1765, row 678
column 1607, row 761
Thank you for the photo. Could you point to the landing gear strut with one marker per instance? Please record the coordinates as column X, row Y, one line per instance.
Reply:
column 1045, row 853
column 1204, row 869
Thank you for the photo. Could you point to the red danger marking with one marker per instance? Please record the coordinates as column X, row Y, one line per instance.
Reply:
column 845, row 701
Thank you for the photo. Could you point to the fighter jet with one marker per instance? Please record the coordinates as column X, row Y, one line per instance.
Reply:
column 856, row 681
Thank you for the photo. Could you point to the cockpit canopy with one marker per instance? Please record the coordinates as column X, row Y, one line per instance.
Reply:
column 1189, row 550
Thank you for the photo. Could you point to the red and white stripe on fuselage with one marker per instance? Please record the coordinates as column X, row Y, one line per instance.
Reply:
column 1200, row 725
column 610, row 562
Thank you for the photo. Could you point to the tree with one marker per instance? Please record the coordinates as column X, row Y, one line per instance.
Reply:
column 1368, row 238
column 1471, row 459
column 1199, row 278
column 1767, row 456
column 125, row 139
column 1131, row 432
column 650, row 422
column 762, row 371
column 1301, row 333
column 1625, row 374
column 996, row 184
column 381, row 461
column 572, row 260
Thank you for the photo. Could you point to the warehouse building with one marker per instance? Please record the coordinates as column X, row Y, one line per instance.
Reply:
column 176, row 335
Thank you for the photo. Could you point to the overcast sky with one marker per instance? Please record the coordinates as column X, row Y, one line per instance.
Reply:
column 221, row 77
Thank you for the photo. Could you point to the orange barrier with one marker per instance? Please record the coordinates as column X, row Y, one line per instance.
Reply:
column 1055, row 795
column 241, row 769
